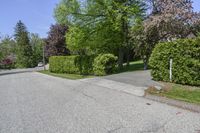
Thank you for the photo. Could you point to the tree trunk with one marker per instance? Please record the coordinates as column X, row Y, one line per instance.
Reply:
column 145, row 61
column 120, row 59
column 145, row 65
column 125, row 40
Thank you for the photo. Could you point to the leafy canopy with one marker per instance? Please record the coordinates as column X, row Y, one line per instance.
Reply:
column 98, row 25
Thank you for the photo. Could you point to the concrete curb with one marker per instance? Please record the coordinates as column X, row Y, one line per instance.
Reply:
column 176, row 103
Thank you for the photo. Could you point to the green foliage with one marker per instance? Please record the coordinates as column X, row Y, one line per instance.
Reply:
column 24, row 49
column 7, row 63
column 75, row 39
column 63, row 64
column 186, row 61
column 66, row 75
column 71, row 64
column 179, row 92
column 7, row 47
column 7, row 53
column 85, row 64
column 1, row 55
column 182, row 93
column 37, row 45
column 144, row 41
column 99, row 26
column 104, row 64
column 64, row 10
column 133, row 66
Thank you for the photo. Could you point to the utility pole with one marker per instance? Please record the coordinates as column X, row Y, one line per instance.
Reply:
column 44, row 57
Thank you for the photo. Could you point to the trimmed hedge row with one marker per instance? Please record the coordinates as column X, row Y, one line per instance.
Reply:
column 100, row 65
column 186, row 61
column 63, row 64
column 85, row 64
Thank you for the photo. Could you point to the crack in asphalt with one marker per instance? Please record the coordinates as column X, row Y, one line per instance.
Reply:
column 91, row 97
column 81, row 91
column 115, row 129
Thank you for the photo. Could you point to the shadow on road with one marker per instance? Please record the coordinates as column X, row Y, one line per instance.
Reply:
column 17, row 71
column 9, row 73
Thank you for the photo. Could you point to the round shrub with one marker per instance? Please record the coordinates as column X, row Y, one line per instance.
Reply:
column 186, row 61
column 104, row 64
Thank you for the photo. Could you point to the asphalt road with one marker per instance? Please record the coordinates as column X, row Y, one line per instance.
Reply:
column 35, row 103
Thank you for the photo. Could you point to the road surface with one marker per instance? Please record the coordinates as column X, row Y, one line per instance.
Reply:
column 136, row 78
column 35, row 103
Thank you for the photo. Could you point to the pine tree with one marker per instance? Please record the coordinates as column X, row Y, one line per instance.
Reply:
column 24, row 50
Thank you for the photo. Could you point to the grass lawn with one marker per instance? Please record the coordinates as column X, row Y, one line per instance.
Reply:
column 67, row 76
column 134, row 66
column 179, row 92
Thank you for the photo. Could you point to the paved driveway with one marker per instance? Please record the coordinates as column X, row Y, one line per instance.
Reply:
column 36, row 103
column 136, row 78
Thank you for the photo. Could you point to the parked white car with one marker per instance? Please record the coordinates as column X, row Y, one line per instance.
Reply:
column 40, row 64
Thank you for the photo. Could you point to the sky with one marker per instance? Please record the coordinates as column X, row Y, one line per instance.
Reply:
column 37, row 15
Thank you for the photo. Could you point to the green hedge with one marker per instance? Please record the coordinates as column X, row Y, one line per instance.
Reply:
column 63, row 64
column 104, row 64
column 100, row 65
column 186, row 61
column 85, row 64
column 71, row 64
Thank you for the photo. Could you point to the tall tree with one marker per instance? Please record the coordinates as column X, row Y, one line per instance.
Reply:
column 37, row 44
column 144, row 41
column 166, row 20
column 55, row 42
column 102, row 24
column 0, row 36
column 7, row 47
column 24, row 49
column 168, row 15
column 7, row 52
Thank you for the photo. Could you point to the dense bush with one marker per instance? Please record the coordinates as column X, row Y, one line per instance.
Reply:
column 186, row 61
column 71, row 64
column 85, row 64
column 104, row 64
column 7, row 63
column 101, row 65
column 63, row 64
